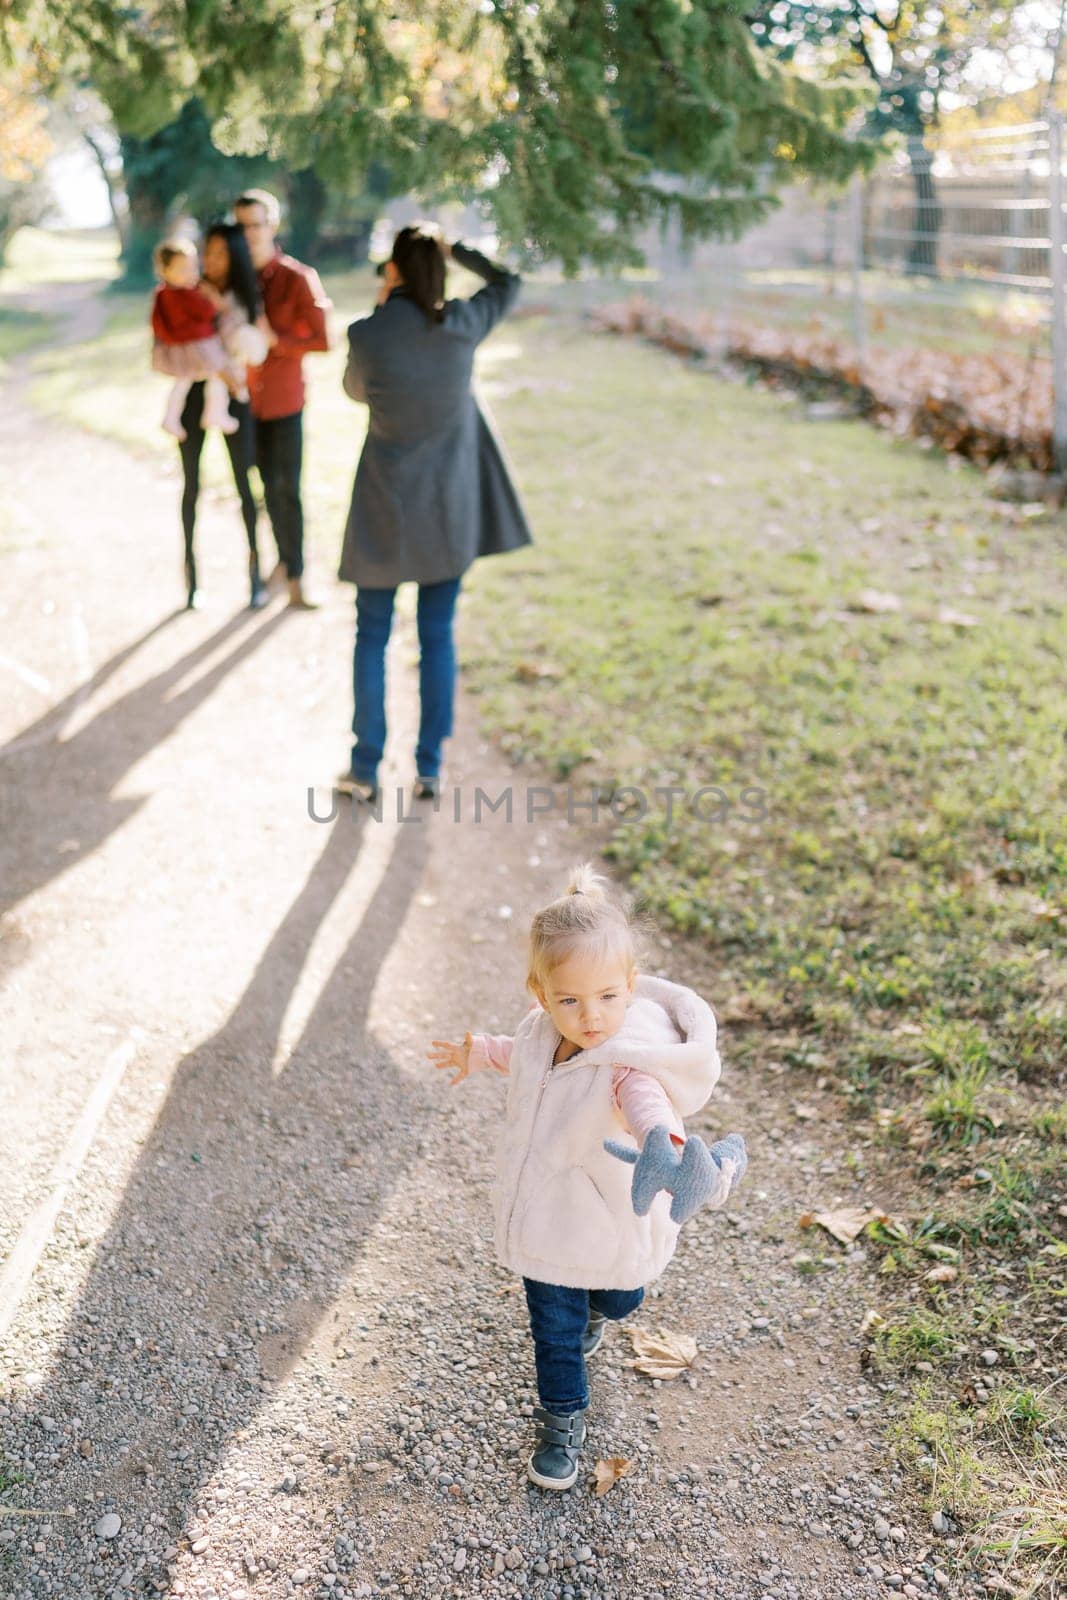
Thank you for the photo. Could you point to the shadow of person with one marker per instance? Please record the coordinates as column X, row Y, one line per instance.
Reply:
column 57, row 803
column 251, row 1202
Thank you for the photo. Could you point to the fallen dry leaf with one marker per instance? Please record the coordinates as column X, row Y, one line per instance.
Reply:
column 804, row 1113
column 536, row 672
column 740, row 1008
column 956, row 619
column 989, row 406
column 941, row 1274
column 607, row 1473
column 876, row 601
column 1045, row 910
column 662, row 1355
column 871, row 1320
column 844, row 1224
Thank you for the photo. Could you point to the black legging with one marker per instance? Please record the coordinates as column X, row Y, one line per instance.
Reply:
column 241, row 447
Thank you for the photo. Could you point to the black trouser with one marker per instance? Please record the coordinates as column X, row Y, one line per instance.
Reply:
column 240, row 447
column 279, row 453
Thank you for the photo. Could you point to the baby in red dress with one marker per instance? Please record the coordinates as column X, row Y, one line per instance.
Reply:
column 187, row 344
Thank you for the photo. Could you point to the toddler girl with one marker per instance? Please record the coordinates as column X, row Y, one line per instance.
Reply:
column 187, row 344
column 602, row 1069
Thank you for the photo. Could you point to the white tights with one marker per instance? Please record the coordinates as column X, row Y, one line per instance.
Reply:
column 216, row 407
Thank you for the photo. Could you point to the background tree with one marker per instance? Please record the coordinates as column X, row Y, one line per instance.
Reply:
column 912, row 52
column 77, row 115
column 178, row 167
column 25, row 146
column 562, row 116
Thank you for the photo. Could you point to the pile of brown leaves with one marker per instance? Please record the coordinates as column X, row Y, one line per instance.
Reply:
column 989, row 408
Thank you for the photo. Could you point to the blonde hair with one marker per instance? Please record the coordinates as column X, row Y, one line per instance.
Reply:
column 585, row 916
column 170, row 250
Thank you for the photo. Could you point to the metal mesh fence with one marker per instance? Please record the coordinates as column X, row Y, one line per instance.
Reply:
column 944, row 254
column 947, row 247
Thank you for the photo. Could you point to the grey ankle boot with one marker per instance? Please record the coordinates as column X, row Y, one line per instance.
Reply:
column 554, row 1462
column 593, row 1337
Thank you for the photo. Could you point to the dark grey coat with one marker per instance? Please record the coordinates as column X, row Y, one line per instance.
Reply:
column 432, row 490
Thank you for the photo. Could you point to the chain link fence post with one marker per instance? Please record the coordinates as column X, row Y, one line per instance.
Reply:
column 1056, row 275
column 859, row 317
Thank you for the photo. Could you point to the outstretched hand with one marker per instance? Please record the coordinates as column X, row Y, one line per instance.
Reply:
column 694, row 1177
column 452, row 1057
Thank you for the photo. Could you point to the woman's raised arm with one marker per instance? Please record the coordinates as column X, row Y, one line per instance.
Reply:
column 499, row 295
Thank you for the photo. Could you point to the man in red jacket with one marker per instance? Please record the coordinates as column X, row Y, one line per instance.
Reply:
column 296, row 306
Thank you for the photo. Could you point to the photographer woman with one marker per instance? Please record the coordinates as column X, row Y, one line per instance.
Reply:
column 432, row 491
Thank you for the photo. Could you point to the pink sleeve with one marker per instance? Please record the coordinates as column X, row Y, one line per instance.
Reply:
column 644, row 1104
column 490, row 1050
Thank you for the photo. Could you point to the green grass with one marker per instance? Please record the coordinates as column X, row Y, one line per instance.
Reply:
column 21, row 331
column 957, row 1452
column 39, row 257
column 37, row 262
column 937, row 1441
column 919, row 1336
column 685, row 613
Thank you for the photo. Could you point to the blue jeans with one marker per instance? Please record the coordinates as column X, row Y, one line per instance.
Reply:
column 558, row 1319
column 437, row 676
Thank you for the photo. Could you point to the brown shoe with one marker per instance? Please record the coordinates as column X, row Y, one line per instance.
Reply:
column 298, row 599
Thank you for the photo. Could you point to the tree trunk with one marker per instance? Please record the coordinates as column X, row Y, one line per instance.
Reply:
column 118, row 216
column 307, row 206
column 362, row 233
column 928, row 216
column 21, row 205
column 146, row 224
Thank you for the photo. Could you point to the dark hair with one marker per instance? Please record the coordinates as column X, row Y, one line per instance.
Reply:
column 261, row 197
column 241, row 278
column 420, row 262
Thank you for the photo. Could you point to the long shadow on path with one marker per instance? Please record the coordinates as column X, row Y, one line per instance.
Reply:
column 57, row 802
column 248, row 1207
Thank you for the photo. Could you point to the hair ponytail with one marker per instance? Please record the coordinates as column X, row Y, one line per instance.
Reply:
column 585, row 881
column 586, row 916
column 420, row 262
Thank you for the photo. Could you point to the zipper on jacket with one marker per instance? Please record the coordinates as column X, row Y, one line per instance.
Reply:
column 553, row 1064
column 533, row 1123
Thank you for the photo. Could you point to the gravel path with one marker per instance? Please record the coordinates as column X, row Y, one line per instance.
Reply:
column 266, row 1350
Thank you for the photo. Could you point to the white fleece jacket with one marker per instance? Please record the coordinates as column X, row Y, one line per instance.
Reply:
column 562, row 1203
